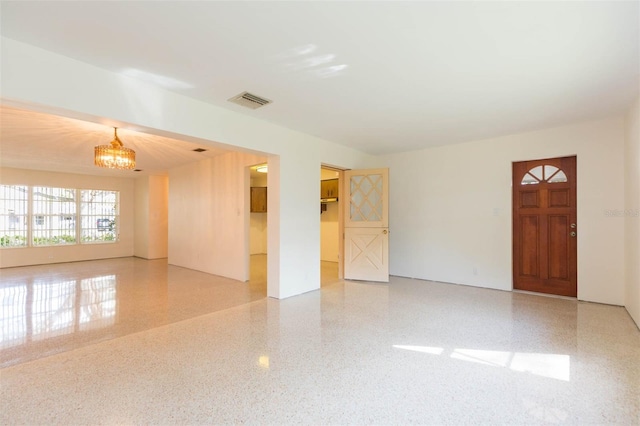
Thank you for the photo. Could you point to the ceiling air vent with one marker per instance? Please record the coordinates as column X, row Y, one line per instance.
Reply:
column 248, row 100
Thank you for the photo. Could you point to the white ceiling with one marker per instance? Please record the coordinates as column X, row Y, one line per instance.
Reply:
column 33, row 140
column 377, row 76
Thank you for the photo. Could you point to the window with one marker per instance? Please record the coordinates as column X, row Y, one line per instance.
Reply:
column 366, row 198
column 55, row 209
column 546, row 174
column 99, row 210
column 46, row 216
column 13, row 215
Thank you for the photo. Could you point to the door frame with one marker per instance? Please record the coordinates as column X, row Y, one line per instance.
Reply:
column 247, row 217
column 341, row 189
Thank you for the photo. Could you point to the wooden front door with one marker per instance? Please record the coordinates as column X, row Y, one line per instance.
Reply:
column 366, row 245
column 544, row 226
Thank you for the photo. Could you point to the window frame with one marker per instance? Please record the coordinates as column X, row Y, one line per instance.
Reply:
column 34, row 220
column 9, row 234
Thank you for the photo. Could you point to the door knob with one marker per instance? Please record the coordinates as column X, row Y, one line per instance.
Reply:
column 573, row 226
column 573, row 234
column 385, row 232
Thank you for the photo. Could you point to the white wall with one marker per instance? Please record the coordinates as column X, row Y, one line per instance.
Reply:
column 329, row 233
column 450, row 208
column 151, row 212
column 207, row 207
column 45, row 255
column 40, row 80
column 158, row 217
column 632, row 211
column 141, row 223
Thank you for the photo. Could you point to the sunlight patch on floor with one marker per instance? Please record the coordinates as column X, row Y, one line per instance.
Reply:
column 553, row 366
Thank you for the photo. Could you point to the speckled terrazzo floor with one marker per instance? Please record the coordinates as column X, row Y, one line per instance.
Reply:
column 352, row 353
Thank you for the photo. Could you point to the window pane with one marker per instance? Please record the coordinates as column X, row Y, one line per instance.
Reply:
column 13, row 215
column 529, row 180
column 366, row 198
column 537, row 172
column 558, row 177
column 356, row 198
column 54, row 216
column 549, row 171
column 99, row 212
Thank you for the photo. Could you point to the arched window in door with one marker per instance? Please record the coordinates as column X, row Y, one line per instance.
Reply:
column 543, row 174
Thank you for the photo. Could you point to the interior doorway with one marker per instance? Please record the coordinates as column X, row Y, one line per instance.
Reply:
column 258, row 194
column 545, row 230
column 330, row 225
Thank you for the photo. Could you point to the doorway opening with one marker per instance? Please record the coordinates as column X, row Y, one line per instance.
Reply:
column 330, row 225
column 545, row 229
column 258, row 193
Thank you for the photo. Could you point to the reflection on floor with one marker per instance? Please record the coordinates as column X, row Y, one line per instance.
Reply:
column 49, row 309
column 196, row 351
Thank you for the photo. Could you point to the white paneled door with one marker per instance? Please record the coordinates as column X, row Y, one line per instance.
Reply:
column 366, row 214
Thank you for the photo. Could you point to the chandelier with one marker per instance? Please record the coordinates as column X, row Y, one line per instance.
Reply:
column 114, row 156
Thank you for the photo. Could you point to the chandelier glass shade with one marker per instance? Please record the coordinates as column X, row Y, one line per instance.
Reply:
column 115, row 155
